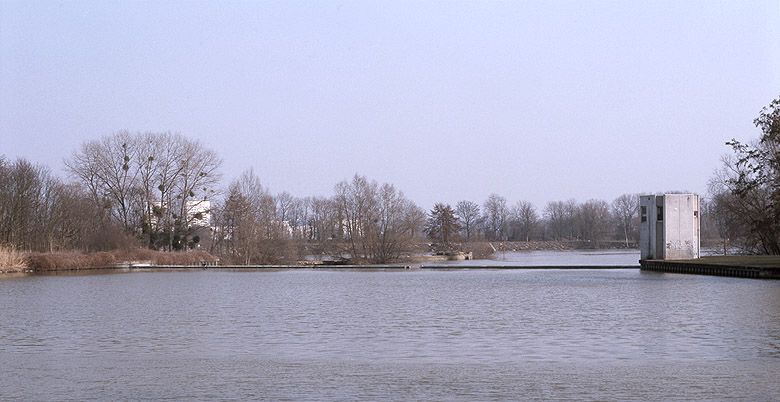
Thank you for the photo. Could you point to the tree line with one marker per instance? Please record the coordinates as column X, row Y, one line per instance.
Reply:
column 592, row 221
column 164, row 191
column 745, row 190
column 158, row 189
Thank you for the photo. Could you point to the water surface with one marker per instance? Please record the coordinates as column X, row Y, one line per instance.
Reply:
column 420, row 335
column 611, row 257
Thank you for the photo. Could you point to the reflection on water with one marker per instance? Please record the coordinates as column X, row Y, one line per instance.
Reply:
column 312, row 335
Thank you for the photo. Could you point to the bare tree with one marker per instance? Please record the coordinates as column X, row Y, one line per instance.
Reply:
column 284, row 205
column 104, row 167
column 732, row 213
column 414, row 221
column 390, row 234
column 555, row 214
column 40, row 213
column 625, row 208
column 322, row 222
column 154, row 184
column 469, row 216
column 593, row 221
column 22, row 203
column 248, row 227
column 296, row 218
column 525, row 219
column 495, row 217
column 374, row 221
column 356, row 202
column 196, row 182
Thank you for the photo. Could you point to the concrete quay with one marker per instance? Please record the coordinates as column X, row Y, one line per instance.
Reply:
column 757, row 267
column 525, row 267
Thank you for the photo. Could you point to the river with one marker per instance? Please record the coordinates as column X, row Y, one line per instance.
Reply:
column 465, row 335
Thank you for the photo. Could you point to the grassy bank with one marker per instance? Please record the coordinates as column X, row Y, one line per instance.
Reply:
column 14, row 261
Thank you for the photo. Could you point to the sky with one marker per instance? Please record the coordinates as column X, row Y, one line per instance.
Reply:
column 448, row 101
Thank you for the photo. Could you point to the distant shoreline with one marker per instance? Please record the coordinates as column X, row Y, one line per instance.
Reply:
column 421, row 258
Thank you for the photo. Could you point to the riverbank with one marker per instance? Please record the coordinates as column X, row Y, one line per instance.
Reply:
column 181, row 261
column 747, row 266
column 14, row 262
column 117, row 268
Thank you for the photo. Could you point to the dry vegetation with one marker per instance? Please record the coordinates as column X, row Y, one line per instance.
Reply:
column 74, row 260
column 11, row 260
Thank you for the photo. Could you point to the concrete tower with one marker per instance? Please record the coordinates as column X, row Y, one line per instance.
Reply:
column 669, row 227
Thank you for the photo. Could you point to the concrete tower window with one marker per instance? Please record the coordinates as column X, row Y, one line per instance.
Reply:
column 660, row 213
column 644, row 213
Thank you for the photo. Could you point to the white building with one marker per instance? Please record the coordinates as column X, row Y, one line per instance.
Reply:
column 199, row 213
column 669, row 227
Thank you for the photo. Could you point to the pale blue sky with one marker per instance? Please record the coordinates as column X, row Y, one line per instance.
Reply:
column 447, row 100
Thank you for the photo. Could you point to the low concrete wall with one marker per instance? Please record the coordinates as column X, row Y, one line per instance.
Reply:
column 282, row 266
column 678, row 267
column 500, row 267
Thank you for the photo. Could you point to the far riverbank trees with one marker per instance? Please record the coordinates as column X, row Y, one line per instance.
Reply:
column 592, row 222
column 164, row 191
column 745, row 191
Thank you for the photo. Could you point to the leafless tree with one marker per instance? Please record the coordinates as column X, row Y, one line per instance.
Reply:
column 284, row 205
column 322, row 221
column 40, row 213
column 356, row 202
column 414, row 221
column 469, row 216
column 153, row 184
column 733, row 213
column 390, row 237
column 375, row 220
column 625, row 208
column 556, row 217
column 495, row 213
column 27, row 188
column 104, row 167
column 593, row 221
column 525, row 219
column 297, row 217
column 248, row 227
